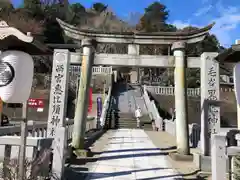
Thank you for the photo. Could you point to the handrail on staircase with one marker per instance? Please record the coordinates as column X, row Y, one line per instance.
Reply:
column 152, row 110
column 105, row 107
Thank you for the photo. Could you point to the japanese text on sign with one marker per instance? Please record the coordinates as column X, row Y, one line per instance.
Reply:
column 213, row 94
column 213, row 119
column 212, row 77
column 57, row 93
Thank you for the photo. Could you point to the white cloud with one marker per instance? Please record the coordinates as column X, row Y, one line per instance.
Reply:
column 228, row 20
column 180, row 24
column 203, row 10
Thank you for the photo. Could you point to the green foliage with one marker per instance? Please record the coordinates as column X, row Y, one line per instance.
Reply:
column 99, row 7
column 154, row 18
column 39, row 17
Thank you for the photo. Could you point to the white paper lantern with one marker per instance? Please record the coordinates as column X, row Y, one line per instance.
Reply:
column 16, row 76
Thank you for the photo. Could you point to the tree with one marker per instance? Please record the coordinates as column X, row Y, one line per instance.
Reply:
column 77, row 12
column 6, row 4
column 5, row 7
column 34, row 9
column 77, row 7
column 154, row 18
column 99, row 7
column 209, row 44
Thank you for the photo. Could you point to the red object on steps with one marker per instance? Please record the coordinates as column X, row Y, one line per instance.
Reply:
column 90, row 101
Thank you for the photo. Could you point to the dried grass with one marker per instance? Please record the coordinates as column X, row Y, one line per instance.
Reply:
column 38, row 169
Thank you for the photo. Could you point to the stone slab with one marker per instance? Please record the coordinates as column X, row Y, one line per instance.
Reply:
column 130, row 154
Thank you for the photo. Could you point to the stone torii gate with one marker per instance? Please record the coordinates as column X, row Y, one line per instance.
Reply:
column 178, row 41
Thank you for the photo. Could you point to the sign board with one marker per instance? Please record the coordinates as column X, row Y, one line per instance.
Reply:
column 58, row 93
column 36, row 104
column 210, row 96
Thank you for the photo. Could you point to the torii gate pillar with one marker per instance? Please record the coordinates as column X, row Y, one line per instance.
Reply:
column 182, row 130
column 82, row 99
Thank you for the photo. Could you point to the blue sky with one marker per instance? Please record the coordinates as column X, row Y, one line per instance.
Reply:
column 198, row 13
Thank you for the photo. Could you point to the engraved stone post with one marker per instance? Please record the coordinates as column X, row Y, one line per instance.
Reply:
column 59, row 91
column 182, row 132
column 210, row 111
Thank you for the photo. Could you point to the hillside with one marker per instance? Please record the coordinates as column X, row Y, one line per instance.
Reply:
column 228, row 109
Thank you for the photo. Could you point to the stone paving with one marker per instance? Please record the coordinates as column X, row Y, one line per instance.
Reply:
column 129, row 155
column 168, row 144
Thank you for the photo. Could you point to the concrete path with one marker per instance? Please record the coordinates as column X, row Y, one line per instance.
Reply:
column 129, row 155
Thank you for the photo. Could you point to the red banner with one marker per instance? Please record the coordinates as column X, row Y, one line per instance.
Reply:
column 35, row 103
column 90, row 101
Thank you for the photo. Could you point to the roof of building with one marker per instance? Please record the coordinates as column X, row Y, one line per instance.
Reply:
column 13, row 39
column 230, row 55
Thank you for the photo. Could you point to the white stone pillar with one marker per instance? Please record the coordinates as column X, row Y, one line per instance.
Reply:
column 133, row 49
column 182, row 135
column 210, row 110
column 219, row 159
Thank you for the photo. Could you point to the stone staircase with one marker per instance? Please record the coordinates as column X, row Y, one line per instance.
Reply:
column 126, row 120
column 127, row 99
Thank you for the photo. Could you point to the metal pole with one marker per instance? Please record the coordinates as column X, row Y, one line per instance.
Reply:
column 182, row 137
column 23, row 140
column 83, row 93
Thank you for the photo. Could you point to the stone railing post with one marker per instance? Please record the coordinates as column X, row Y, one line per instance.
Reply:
column 218, row 157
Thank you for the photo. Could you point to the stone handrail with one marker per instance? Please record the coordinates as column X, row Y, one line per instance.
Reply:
column 39, row 129
column 224, row 158
column 37, row 142
column 169, row 91
column 221, row 155
column 152, row 110
column 105, row 107
column 95, row 69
